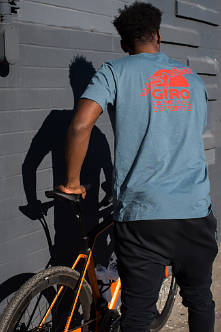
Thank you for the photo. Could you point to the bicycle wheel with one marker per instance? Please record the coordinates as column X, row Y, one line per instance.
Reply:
column 165, row 302
column 28, row 306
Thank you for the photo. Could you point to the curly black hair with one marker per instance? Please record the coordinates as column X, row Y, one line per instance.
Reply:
column 138, row 23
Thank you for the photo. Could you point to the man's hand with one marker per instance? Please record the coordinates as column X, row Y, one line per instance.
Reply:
column 80, row 190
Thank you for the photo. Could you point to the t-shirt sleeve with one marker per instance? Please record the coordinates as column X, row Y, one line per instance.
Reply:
column 102, row 87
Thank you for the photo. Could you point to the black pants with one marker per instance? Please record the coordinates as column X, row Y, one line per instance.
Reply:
column 145, row 247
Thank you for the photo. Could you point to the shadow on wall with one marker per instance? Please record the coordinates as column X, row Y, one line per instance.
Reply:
column 4, row 70
column 51, row 138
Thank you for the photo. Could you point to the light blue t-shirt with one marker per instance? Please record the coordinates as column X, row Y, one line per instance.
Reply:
column 158, row 108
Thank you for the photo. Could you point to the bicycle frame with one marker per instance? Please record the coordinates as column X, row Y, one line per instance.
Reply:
column 88, row 241
column 86, row 254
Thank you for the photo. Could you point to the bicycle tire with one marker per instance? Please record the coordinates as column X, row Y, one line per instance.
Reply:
column 165, row 303
column 167, row 296
column 25, row 310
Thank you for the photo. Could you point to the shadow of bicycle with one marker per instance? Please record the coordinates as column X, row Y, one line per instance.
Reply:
column 50, row 139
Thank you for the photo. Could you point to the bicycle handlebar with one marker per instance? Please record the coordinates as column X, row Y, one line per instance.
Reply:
column 72, row 198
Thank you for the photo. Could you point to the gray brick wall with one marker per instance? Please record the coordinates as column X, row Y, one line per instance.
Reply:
column 37, row 103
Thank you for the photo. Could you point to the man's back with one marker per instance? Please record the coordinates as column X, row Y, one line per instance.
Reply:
column 158, row 109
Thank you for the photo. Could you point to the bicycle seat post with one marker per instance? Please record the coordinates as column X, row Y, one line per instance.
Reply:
column 81, row 224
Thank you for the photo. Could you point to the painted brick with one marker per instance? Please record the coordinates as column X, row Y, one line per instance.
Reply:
column 116, row 45
column 203, row 52
column 25, row 54
column 12, row 80
column 44, row 36
column 61, row 57
column 11, row 229
column 10, row 165
column 63, row 38
column 9, row 208
column 183, row 61
column 206, row 29
column 209, row 141
column 34, row 98
column 91, row 41
column 210, row 155
column 44, row 78
column 37, row 56
column 10, row 187
column 12, row 250
column 46, row 163
column 27, row 139
column 215, row 185
column 41, row 56
column 204, row 65
column 11, row 99
column 213, row 91
column 111, row 145
column 196, row 11
column 61, row 98
column 44, row 179
column 167, row 19
column 32, row 119
column 103, row 118
column 107, row 130
column 180, row 35
column 10, row 122
column 58, row 16
column 118, row 5
column 127, row 1
column 35, row 241
column 167, row 6
column 218, row 44
column 209, row 112
column 209, row 79
column 217, row 129
column 207, row 42
column 102, row 7
column 98, row 58
column 180, row 51
column 213, row 107
column 11, row 143
column 37, row 261
column 3, row 254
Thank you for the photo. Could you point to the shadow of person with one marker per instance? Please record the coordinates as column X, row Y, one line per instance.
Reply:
column 51, row 139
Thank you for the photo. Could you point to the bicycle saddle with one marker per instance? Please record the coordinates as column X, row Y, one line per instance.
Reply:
column 73, row 198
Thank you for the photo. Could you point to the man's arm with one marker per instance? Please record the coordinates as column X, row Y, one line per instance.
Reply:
column 77, row 142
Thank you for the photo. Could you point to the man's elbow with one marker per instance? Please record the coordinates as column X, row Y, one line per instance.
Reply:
column 79, row 128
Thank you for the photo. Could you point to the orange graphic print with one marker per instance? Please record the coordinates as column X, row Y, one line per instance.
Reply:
column 167, row 78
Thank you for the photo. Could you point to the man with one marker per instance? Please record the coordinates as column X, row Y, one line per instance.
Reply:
column 162, row 208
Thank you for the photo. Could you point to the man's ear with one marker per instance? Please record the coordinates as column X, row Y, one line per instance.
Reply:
column 158, row 37
column 124, row 46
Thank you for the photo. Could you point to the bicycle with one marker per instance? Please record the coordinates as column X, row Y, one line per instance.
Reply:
column 60, row 299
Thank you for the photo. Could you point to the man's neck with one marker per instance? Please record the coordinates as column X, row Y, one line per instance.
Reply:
column 151, row 47
column 147, row 48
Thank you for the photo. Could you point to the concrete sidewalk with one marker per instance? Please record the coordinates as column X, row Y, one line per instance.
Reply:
column 179, row 317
